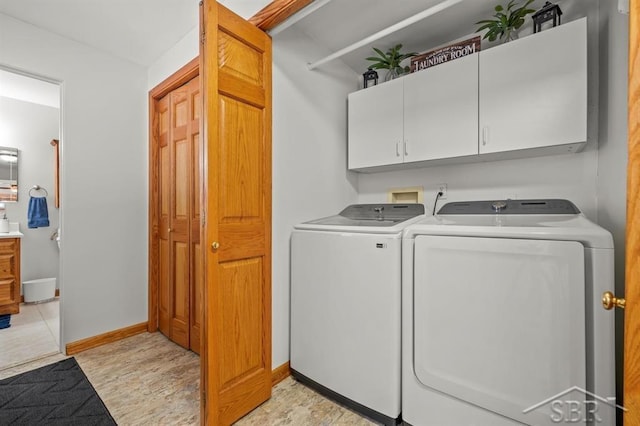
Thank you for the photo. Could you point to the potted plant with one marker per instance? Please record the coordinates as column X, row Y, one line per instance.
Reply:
column 507, row 20
column 390, row 61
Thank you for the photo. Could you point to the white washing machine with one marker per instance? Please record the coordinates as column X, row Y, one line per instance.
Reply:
column 345, row 306
column 502, row 317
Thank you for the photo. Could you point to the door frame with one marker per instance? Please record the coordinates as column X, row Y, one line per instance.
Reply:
column 175, row 80
column 276, row 12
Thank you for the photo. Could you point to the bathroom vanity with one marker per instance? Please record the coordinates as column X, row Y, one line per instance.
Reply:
column 10, row 272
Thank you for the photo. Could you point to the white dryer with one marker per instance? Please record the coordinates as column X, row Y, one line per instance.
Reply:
column 502, row 316
column 345, row 306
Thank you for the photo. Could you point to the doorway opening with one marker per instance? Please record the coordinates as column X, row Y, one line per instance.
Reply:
column 30, row 126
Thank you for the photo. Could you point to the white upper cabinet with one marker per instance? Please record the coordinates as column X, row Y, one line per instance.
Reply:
column 524, row 98
column 533, row 92
column 375, row 126
column 417, row 117
column 441, row 111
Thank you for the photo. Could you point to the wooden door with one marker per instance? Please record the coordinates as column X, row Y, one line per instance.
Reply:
column 632, row 261
column 236, row 71
column 196, row 268
column 179, row 211
column 164, row 200
column 180, row 268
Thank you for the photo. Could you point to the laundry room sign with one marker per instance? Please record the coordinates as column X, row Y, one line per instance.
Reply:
column 445, row 54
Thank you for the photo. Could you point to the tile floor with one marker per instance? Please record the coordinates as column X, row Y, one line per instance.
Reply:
column 34, row 333
column 146, row 379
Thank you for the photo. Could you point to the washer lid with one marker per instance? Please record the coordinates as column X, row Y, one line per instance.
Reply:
column 384, row 218
column 552, row 225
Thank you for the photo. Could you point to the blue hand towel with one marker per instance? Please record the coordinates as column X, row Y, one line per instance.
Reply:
column 37, row 214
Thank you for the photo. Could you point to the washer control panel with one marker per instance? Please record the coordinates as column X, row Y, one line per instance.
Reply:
column 542, row 206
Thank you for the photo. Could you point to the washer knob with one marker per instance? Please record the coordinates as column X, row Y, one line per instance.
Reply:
column 498, row 206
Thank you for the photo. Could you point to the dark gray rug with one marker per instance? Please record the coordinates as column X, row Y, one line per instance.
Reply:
column 57, row 394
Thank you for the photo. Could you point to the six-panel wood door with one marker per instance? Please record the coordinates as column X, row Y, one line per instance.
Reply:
column 181, row 270
column 237, row 89
column 196, row 268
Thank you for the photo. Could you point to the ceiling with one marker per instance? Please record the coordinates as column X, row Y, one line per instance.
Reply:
column 137, row 30
column 142, row 30
column 353, row 20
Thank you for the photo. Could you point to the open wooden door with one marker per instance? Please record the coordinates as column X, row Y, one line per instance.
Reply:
column 236, row 74
column 632, row 261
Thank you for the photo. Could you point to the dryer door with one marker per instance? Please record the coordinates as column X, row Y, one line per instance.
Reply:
column 500, row 323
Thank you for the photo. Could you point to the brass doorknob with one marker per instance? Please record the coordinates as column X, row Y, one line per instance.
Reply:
column 215, row 245
column 169, row 230
column 609, row 301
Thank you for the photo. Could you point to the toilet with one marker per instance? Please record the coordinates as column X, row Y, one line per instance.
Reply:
column 38, row 291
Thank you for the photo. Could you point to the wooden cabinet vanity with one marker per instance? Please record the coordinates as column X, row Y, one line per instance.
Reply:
column 9, row 276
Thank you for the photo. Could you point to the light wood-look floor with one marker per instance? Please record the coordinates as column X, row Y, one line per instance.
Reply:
column 146, row 379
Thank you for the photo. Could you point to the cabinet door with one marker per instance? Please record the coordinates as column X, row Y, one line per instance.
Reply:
column 375, row 125
column 533, row 91
column 441, row 111
column 9, row 276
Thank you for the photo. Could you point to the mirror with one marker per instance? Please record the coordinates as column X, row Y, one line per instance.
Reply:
column 8, row 174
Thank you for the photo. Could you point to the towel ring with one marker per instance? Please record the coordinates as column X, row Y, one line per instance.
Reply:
column 38, row 188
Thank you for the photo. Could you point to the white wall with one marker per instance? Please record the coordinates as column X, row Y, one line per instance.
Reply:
column 612, row 155
column 104, row 177
column 571, row 176
column 174, row 59
column 310, row 177
column 30, row 127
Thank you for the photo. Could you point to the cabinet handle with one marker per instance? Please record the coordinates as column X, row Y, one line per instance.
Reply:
column 485, row 135
column 397, row 149
column 406, row 152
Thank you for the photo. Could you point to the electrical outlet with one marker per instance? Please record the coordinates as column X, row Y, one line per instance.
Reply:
column 443, row 188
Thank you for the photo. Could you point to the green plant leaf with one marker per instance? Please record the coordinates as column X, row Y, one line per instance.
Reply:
column 391, row 59
column 379, row 52
column 484, row 27
column 506, row 18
